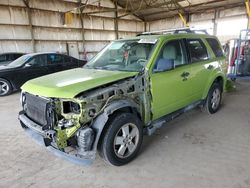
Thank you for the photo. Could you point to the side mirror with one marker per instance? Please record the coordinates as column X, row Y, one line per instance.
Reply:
column 28, row 65
column 164, row 65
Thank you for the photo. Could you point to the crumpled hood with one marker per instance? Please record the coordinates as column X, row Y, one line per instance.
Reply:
column 68, row 84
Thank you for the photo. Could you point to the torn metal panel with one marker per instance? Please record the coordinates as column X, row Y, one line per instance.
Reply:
column 74, row 126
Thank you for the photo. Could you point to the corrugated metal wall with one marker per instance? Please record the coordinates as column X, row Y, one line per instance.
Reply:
column 207, row 20
column 51, row 35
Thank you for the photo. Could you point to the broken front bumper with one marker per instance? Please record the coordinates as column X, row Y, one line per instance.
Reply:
column 35, row 131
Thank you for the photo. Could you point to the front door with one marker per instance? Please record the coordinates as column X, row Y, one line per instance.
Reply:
column 171, row 89
column 56, row 63
column 35, row 67
column 70, row 62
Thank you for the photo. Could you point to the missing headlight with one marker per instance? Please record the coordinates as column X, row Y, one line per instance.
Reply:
column 23, row 101
column 71, row 107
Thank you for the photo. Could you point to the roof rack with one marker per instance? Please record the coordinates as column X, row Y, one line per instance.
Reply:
column 174, row 31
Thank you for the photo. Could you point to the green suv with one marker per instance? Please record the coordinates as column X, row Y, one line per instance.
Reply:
column 131, row 88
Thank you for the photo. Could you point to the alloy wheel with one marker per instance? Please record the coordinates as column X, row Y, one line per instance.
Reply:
column 4, row 88
column 126, row 140
column 215, row 101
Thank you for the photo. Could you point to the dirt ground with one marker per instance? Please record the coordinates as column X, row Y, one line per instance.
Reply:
column 194, row 151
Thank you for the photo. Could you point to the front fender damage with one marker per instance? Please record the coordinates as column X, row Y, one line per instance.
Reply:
column 78, row 128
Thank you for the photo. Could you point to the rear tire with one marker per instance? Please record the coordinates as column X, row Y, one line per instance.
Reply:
column 214, row 97
column 5, row 87
column 122, row 139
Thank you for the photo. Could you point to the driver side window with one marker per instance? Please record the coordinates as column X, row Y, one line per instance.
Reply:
column 172, row 55
column 39, row 60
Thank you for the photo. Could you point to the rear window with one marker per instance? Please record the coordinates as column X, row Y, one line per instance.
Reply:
column 214, row 44
column 197, row 50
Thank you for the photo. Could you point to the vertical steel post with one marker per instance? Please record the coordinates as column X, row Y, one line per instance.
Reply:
column 145, row 26
column 26, row 2
column 216, row 16
column 82, row 21
column 116, row 20
column 248, row 13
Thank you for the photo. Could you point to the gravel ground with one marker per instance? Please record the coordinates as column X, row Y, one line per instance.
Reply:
column 195, row 150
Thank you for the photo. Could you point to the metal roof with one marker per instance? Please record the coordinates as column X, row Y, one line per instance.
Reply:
column 149, row 10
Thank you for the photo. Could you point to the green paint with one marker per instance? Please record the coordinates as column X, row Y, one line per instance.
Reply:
column 165, row 91
column 68, row 84
column 230, row 86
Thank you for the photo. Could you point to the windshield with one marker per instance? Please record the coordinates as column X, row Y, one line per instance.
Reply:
column 20, row 61
column 129, row 55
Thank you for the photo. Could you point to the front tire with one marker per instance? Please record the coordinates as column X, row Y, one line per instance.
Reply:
column 122, row 139
column 214, row 97
column 5, row 87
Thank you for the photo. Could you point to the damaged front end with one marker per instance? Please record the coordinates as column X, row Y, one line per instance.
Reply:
column 72, row 127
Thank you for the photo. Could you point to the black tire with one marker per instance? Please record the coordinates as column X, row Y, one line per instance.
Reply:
column 213, row 105
column 114, row 128
column 5, row 87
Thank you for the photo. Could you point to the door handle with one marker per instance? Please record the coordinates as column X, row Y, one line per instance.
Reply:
column 210, row 67
column 185, row 74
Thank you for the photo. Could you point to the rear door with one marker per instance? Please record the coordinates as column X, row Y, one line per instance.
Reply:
column 171, row 89
column 218, row 53
column 201, row 66
column 55, row 63
column 70, row 62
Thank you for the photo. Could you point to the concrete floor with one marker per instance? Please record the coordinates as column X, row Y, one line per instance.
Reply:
column 195, row 150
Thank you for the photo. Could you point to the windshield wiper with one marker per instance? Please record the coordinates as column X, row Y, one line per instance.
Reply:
column 103, row 68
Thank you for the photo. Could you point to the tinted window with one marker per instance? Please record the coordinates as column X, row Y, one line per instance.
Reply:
column 214, row 44
column 55, row 59
column 11, row 57
column 68, row 59
column 8, row 57
column 172, row 51
column 197, row 49
column 2, row 58
column 15, row 56
column 39, row 60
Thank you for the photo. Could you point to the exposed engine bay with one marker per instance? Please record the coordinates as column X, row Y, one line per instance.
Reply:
column 67, row 124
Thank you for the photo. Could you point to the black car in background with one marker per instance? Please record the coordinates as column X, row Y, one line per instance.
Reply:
column 6, row 58
column 16, row 73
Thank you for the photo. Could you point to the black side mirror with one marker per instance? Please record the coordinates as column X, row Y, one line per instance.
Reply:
column 164, row 65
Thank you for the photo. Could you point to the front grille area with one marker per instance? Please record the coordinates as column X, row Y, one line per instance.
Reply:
column 37, row 108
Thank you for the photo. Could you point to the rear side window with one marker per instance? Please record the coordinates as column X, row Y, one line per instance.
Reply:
column 68, row 59
column 197, row 50
column 2, row 58
column 55, row 59
column 214, row 44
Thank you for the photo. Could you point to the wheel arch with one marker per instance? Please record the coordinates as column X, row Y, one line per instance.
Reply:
column 220, row 78
column 114, row 107
column 13, row 87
